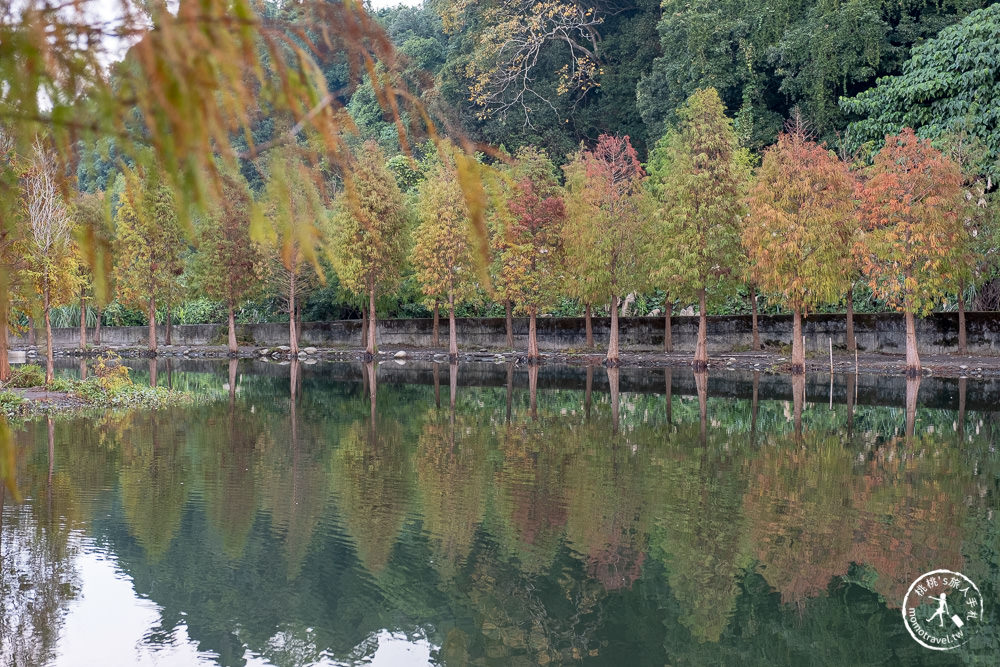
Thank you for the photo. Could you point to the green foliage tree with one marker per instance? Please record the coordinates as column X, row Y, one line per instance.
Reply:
column 912, row 229
column 701, row 185
column 950, row 85
column 370, row 232
column 229, row 265
column 801, row 198
column 606, row 229
column 148, row 244
column 442, row 252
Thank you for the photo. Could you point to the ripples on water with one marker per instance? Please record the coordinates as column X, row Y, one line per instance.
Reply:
column 478, row 522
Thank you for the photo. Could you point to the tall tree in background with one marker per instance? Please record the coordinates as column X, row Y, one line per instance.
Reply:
column 531, row 259
column 799, row 200
column 700, row 208
column 912, row 229
column 370, row 232
column 229, row 264
column 93, row 258
column 148, row 245
column 290, row 222
column 13, row 243
column 52, row 259
column 604, row 214
column 442, row 253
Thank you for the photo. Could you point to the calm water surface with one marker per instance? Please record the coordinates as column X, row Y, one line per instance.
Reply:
column 461, row 518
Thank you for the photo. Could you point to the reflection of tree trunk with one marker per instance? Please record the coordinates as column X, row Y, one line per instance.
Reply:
column 754, row 329
column 668, row 329
column 83, row 320
column 588, row 392
column 798, row 401
column 452, row 385
column 152, row 371
column 452, row 335
column 372, row 370
column 170, row 373
column 510, row 391
column 912, row 356
column 97, row 326
column 83, row 369
column 912, row 389
column 49, row 355
column 701, row 385
column 613, row 378
column 533, row 391
column 533, row 355
column 293, row 380
column 962, row 346
column 509, row 323
column 436, row 330
column 437, row 385
column 754, row 403
column 612, row 358
column 798, row 348
column 961, row 408
column 852, row 382
column 232, row 381
column 588, row 324
column 701, row 348
column 52, row 451
column 668, row 380
column 852, row 343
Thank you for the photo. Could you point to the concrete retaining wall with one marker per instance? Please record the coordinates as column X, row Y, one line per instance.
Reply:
column 883, row 332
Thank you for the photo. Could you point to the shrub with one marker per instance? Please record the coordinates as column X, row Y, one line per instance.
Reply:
column 28, row 375
column 112, row 375
column 10, row 403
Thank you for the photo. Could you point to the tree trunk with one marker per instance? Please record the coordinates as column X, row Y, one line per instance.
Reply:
column 49, row 357
column 755, row 330
column 962, row 345
column 612, row 358
column 298, row 321
column 152, row 324
column 452, row 336
column 83, row 321
column 912, row 357
column 97, row 327
column 32, row 336
column 852, row 343
column 509, row 315
column 234, row 349
column 701, row 348
column 372, row 326
column 293, row 337
column 588, row 325
column 668, row 329
column 533, row 335
column 364, row 326
column 798, row 351
column 4, row 358
column 436, row 331
column 169, row 339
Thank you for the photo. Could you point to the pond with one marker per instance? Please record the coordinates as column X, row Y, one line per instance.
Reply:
column 500, row 515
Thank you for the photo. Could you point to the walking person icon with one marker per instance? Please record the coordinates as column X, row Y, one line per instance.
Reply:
column 942, row 609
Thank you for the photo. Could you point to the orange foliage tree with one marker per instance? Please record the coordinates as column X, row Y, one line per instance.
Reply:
column 912, row 230
column 606, row 231
column 800, row 200
column 530, row 257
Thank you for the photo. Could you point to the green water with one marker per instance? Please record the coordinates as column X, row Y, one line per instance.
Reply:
column 261, row 528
